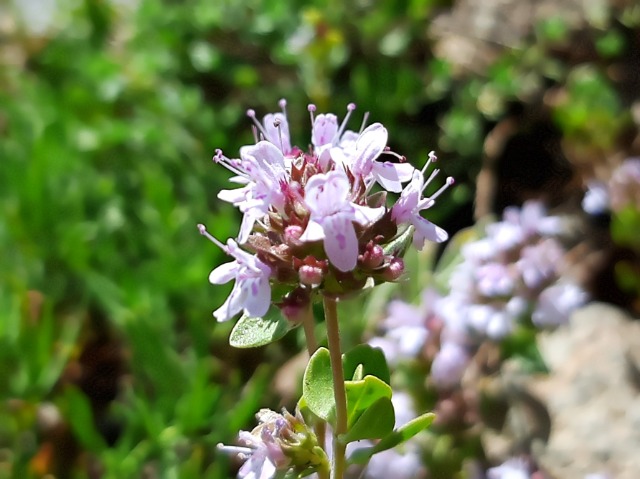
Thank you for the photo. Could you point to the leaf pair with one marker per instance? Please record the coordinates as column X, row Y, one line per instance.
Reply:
column 370, row 412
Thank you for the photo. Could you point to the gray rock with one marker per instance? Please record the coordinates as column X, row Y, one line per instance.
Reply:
column 591, row 395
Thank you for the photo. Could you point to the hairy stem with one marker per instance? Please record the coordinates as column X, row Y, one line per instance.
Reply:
column 308, row 324
column 333, row 337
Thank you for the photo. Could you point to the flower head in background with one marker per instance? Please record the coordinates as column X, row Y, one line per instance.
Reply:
column 314, row 219
column 513, row 274
column 280, row 442
column 511, row 469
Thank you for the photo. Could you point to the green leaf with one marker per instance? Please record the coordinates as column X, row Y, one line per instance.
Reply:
column 371, row 360
column 317, row 386
column 254, row 332
column 375, row 422
column 400, row 435
column 398, row 245
column 362, row 394
column 79, row 414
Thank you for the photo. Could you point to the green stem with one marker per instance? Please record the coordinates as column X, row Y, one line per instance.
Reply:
column 309, row 331
column 333, row 337
column 308, row 324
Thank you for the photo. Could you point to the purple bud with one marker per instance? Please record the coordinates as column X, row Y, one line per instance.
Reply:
column 292, row 235
column 310, row 275
column 295, row 306
column 373, row 257
column 394, row 270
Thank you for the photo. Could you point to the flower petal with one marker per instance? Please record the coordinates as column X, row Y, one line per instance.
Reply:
column 224, row 273
column 341, row 243
column 325, row 127
column 426, row 230
column 232, row 306
column 365, row 215
column 392, row 175
column 257, row 293
column 279, row 135
column 264, row 152
column 314, row 232
column 369, row 146
column 326, row 193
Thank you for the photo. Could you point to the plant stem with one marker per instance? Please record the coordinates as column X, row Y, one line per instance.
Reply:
column 309, row 331
column 333, row 337
column 312, row 345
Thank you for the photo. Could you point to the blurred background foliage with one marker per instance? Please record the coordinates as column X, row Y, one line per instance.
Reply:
column 110, row 362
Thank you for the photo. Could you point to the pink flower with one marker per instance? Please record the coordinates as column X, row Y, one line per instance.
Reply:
column 370, row 145
column 251, row 292
column 332, row 216
column 556, row 303
column 274, row 128
column 262, row 171
column 408, row 207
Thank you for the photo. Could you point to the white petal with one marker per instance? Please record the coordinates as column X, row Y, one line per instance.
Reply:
column 341, row 243
column 257, row 296
column 248, row 220
column 314, row 232
column 264, row 152
column 224, row 273
column 326, row 193
column 279, row 136
column 369, row 146
column 325, row 127
column 392, row 175
column 233, row 196
column 364, row 214
column 231, row 307
column 426, row 230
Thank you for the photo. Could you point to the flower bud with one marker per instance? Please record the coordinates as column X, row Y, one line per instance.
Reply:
column 310, row 275
column 296, row 305
column 394, row 270
column 292, row 235
column 373, row 257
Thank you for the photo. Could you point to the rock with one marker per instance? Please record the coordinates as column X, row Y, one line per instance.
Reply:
column 592, row 395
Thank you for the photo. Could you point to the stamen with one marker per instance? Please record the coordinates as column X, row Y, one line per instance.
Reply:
column 432, row 159
column 276, row 124
column 252, row 114
column 450, row 181
column 227, row 163
column 283, row 106
column 350, row 108
column 311, row 108
column 242, row 451
column 364, row 121
column 401, row 158
column 203, row 231
column 434, row 173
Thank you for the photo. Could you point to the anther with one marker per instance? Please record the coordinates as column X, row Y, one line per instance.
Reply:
column 350, row 108
column 311, row 108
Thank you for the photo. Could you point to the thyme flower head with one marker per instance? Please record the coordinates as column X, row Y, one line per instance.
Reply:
column 317, row 220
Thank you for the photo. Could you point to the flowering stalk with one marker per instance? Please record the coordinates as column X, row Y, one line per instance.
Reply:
column 333, row 338
column 312, row 345
column 315, row 224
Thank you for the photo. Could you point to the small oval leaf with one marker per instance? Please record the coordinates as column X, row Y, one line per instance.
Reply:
column 251, row 332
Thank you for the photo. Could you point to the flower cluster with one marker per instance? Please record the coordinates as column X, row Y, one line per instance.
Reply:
column 512, row 273
column 622, row 190
column 280, row 442
column 312, row 220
